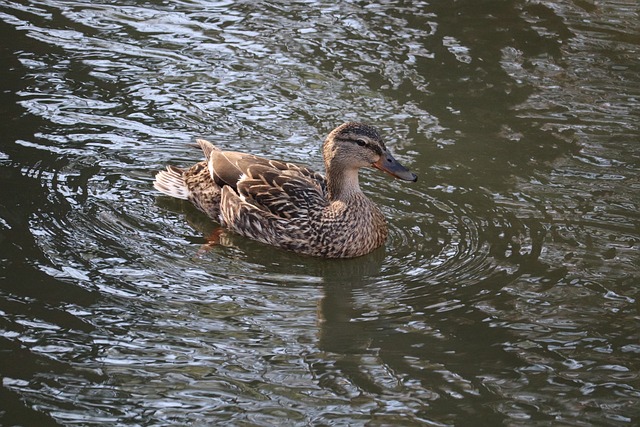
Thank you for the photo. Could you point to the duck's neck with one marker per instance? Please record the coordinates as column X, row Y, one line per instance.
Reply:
column 342, row 184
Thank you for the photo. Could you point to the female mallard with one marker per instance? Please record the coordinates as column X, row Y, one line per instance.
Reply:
column 290, row 206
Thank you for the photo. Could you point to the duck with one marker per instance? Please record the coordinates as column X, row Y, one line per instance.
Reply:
column 288, row 205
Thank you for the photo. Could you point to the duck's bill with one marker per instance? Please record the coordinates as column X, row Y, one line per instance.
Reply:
column 390, row 165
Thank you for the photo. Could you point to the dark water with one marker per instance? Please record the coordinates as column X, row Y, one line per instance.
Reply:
column 508, row 290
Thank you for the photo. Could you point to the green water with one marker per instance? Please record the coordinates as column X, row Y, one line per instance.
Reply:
column 507, row 292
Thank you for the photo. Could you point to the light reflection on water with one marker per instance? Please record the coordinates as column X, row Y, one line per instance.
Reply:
column 506, row 291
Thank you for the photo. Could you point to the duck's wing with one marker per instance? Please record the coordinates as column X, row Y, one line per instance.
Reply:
column 284, row 193
column 228, row 167
column 276, row 207
column 283, row 189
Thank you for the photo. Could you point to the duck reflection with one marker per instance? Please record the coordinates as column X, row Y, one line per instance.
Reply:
column 337, row 310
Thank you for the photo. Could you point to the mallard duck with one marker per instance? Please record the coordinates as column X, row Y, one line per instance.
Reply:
column 288, row 205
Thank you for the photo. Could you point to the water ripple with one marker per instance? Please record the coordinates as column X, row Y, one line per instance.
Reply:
column 507, row 287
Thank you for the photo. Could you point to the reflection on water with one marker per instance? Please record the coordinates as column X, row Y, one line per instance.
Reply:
column 506, row 291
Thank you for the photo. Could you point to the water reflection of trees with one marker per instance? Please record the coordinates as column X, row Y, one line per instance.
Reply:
column 36, row 307
column 475, row 101
column 447, row 60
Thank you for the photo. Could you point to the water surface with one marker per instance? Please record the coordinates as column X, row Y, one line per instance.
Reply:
column 507, row 291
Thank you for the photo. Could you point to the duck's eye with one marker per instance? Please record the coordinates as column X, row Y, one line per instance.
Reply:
column 361, row 142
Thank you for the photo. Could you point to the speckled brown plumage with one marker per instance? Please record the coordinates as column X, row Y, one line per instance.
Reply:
column 290, row 206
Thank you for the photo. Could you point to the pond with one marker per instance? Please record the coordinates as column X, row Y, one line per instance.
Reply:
column 507, row 291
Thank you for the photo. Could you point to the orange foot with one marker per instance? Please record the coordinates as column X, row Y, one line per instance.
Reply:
column 212, row 241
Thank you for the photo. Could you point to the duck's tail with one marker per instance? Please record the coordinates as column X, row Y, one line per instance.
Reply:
column 171, row 182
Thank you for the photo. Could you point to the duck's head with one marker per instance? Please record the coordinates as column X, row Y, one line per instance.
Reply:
column 353, row 145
